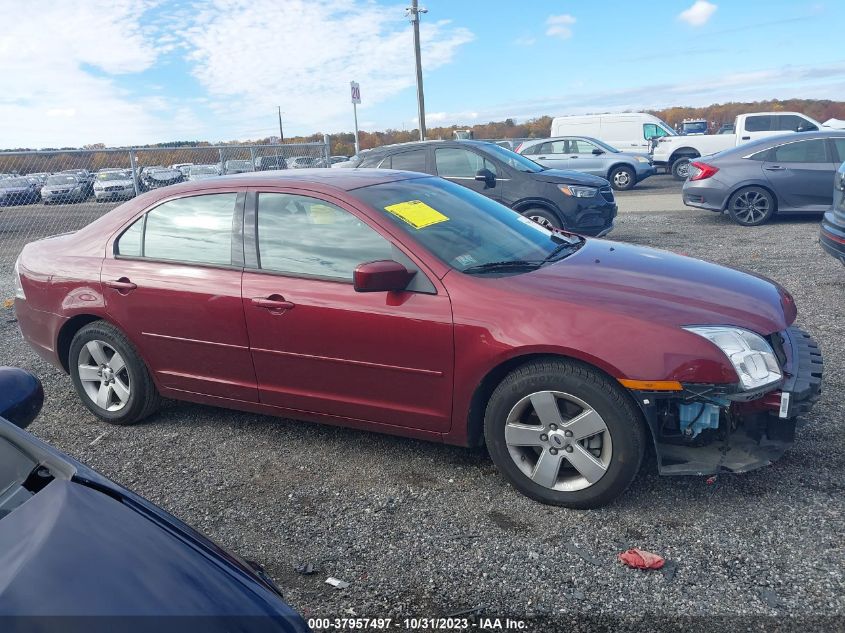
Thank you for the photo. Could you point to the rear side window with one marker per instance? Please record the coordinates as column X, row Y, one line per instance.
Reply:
column 409, row 161
column 196, row 229
column 454, row 162
column 371, row 161
column 839, row 144
column 760, row 123
column 303, row 236
column 801, row 152
column 792, row 122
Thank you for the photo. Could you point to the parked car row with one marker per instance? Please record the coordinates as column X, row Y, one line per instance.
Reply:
column 553, row 198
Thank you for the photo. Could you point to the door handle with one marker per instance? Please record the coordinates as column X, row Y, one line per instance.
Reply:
column 746, row 138
column 573, row 157
column 774, row 168
column 541, row 158
column 121, row 285
column 273, row 302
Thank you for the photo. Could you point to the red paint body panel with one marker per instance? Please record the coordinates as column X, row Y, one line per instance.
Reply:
column 399, row 362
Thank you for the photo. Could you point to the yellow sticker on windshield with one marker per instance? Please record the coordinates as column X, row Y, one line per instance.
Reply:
column 321, row 214
column 416, row 213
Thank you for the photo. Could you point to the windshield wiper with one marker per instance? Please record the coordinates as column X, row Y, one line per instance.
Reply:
column 504, row 265
column 560, row 248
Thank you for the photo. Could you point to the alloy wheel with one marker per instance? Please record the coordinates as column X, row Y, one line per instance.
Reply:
column 750, row 207
column 558, row 441
column 103, row 374
column 621, row 178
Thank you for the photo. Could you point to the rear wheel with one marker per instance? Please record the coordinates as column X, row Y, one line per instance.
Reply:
column 543, row 217
column 109, row 375
column 564, row 434
column 751, row 206
column 622, row 178
column 680, row 168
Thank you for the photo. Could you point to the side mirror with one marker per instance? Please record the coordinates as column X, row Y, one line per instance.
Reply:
column 487, row 177
column 21, row 396
column 384, row 275
column 598, row 152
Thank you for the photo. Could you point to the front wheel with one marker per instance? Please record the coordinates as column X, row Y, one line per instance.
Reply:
column 751, row 206
column 564, row 434
column 543, row 217
column 109, row 375
column 680, row 168
column 622, row 178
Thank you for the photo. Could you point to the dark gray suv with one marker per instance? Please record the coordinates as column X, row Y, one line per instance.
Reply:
column 554, row 198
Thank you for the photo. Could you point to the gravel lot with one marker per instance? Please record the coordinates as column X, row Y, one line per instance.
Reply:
column 420, row 529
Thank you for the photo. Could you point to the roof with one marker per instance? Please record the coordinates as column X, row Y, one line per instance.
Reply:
column 412, row 144
column 342, row 179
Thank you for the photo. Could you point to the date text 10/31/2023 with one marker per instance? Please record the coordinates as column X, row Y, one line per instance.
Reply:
column 417, row 624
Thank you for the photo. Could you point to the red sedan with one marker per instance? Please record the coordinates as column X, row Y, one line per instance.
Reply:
column 406, row 304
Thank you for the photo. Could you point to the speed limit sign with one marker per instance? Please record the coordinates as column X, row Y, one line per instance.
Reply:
column 356, row 92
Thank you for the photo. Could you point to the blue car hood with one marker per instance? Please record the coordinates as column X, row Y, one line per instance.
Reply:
column 73, row 550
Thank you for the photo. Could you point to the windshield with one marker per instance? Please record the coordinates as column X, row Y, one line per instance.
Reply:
column 203, row 169
column 14, row 182
column 112, row 175
column 61, row 180
column 517, row 161
column 462, row 228
column 698, row 127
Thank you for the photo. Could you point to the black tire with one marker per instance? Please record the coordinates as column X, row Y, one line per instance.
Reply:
column 543, row 217
column 751, row 206
column 619, row 415
column 143, row 398
column 622, row 178
column 680, row 167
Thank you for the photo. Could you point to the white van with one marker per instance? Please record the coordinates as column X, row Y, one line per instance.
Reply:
column 626, row 131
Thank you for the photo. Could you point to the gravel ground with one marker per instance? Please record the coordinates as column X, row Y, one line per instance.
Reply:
column 420, row 529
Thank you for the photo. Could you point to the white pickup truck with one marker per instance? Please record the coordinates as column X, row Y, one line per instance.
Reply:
column 675, row 152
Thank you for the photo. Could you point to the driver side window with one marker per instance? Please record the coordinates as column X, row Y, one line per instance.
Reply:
column 309, row 237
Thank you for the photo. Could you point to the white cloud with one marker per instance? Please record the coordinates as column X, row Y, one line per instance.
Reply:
column 59, row 60
column 699, row 13
column 560, row 26
column 525, row 41
column 252, row 55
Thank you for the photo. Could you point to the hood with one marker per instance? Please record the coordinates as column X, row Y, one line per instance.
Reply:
column 114, row 183
column 72, row 550
column 566, row 177
column 163, row 174
column 83, row 546
column 661, row 287
column 5, row 190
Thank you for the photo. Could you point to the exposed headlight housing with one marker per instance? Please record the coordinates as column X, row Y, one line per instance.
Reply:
column 750, row 354
column 19, row 293
column 578, row 191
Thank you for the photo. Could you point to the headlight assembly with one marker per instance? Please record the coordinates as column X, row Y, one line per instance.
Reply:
column 752, row 357
column 577, row 191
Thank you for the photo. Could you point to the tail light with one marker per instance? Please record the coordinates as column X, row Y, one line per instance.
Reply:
column 700, row 171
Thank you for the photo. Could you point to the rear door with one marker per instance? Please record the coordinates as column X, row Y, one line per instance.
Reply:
column 460, row 165
column 801, row 173
column 321, row 347
column 173, row 286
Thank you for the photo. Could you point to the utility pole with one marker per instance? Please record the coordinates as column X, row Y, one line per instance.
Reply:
column 413, row 13
column 281, row 134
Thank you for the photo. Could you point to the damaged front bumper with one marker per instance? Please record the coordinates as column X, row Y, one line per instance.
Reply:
column 747, row 433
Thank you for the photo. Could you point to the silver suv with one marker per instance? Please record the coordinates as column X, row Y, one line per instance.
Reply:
column 591, row 156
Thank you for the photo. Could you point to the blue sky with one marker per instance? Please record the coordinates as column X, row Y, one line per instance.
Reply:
column 145, row 71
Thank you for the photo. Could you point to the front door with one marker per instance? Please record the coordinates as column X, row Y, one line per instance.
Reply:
column 174, row 287
column 317, row 344
column 461, row 165
column 582, row 158
column 552, row 154
column 801, row 172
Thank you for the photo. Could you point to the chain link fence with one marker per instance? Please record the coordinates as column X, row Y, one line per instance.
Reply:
column 44, row 193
